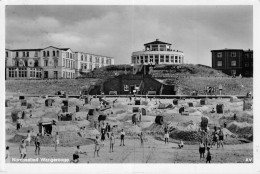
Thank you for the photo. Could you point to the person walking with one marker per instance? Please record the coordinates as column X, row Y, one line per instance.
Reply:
column 37, row 144
column 22, row 149
column 103, row 133
column 122, row 138
column 18, row 125
column 201, row 149
column 56, row 141
column 112, row 142
column 97, row 146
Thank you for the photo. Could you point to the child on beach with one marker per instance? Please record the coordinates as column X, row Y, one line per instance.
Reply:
column 208, row 159
column 76, row 154
column 56, row 140
column 112, row 142
column 141, row 135
column 201, row 149
column 28, row 139
column 97, row 146
column 122, row 138
column 22, row 149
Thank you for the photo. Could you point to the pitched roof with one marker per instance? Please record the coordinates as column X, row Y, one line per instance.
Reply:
column 156, row 42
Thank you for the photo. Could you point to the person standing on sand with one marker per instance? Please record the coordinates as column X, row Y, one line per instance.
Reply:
column 208, row 158
column 18, row 125
column 181, row 144
column 108, row 129
column 221, row 137
column 103, row 135
column 22, row 149
column 166, row 137
column 56, row 140
column 28, row 139
column 97, row 146
column 112, row 142
column 122, row 138
column 7, row 155
column 141, row 135
column 201, row 149
column 37, row 144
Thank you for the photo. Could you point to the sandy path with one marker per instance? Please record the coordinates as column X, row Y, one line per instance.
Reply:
column 154, row 151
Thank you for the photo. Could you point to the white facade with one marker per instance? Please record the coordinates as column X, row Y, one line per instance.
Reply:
column 157, row 52
column 50, row 62
column 86, row 62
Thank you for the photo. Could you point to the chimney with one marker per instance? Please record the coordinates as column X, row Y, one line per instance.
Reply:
column 157, row 39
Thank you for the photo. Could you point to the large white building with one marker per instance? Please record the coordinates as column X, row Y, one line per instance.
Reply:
column 86, row 62
column 157, row 52
column 48, row 63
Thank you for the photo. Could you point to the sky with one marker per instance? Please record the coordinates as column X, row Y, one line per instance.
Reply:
column 117, row 31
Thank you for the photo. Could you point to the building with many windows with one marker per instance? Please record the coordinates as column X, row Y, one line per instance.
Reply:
column 233, row 61
column 157, row 52
column 48, row 63
column 86, row 62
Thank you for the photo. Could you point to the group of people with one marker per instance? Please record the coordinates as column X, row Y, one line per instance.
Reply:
column 207, row 141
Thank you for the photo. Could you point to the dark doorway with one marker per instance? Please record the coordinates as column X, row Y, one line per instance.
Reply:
column 45, row 74
column 132, row 88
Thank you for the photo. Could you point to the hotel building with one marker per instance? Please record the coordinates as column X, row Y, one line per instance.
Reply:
column 157, row 52
column 47, row 63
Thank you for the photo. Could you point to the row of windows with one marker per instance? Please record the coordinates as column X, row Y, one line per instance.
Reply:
column 233, row 54
column 151, row 58
column 54, row 53
column 135, row 87
column 234, row 63
column 68, row 63
column 25, row 54
column 84, row 58
column 49, row 63
column 68, row 74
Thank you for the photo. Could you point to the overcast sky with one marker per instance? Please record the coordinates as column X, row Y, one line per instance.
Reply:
column 117, row 31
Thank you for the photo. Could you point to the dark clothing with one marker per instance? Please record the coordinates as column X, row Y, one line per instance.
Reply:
column 75, row 157
column 122, row 137
column 202, row 149
column 108, row 128
column 221, row 138
column 18, row 126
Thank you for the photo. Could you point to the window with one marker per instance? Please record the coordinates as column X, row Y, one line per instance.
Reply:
column 63, row 62
column 167, row 58
column 22, row 72
column 86, row 58
column 53, row 53
column 48, row 53
column 219, row 55
column 55, row 62
column 71, row 55
column 151, row 58
column 233, row 54
column 126, row 88
column 81, row 57
column 176, row 59
column 142, row 59
column 90, row 67
column 36, row 54
column 45, row 62
column 17, row 54
column 23, row 54
column 233, row 63
column 36, row 63
column 219, row 63
column 172, row 58
column 32, row 72
column 58, row 53
column 27, row 54
column 90, row 59
column 246, row 64
column 38, row 74
column 161, row 58
column 44, row 54
column 97, row 59
column 12, row 72
column 6, row 54
column 146, row 59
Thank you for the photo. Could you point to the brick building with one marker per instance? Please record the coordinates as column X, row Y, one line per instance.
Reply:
column 233, row 61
